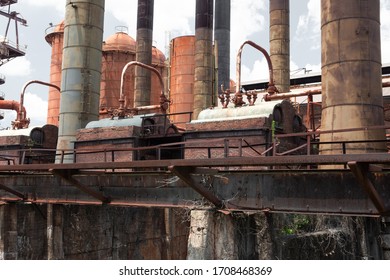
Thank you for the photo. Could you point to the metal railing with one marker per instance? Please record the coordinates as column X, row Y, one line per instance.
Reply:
column 229, row 147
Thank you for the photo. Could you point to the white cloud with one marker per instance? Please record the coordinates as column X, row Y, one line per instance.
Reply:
column 178, row 24
column 18, row 67
column 246, row 20
column 58, row 5
column 309, row 25
column 36, row 108
column 258, row 71
column 385, row 30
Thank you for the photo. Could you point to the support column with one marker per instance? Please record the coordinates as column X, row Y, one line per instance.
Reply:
column 351, row 75
column 279, row 16
column 142, row 91
column 55, row 243
column 212, row 236
column 203, row 84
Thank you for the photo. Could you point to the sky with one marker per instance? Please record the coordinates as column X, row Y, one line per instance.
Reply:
column 172, row 18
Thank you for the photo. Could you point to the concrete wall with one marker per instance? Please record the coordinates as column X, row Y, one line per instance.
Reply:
column 88, row 232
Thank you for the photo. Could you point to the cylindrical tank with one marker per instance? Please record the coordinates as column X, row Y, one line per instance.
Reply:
column 182, row 77
column 351, row 74
column 279, row 15
column 118, row 50
column 144, row 52
column 55, row 37
column 81, row 69
column 222, row 38
column 203, row 84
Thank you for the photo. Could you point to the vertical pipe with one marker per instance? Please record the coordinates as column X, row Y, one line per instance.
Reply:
column 279, row 16
column 144, row 47
column 351, row 74
column 222, row 38
column 56, row 41
column 203, row 82
column 81, row 68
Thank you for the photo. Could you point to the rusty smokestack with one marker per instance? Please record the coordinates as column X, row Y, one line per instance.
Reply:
column 55, row 38
column 203, row 83
column 144, row 47
column 81, row 68
column 351, row 74
column 279, row 15
column 222, row 39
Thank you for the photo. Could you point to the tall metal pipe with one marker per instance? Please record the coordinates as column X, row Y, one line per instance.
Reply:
column 351, row 74
column 203, row 82
column 81, row 68
column 144, row 47
column 279, row 16
column 222, row 39
column 55, row 37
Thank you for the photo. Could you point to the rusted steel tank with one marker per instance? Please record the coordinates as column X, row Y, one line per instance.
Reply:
column 118, row 50
column 55, row 38
column 182, row 77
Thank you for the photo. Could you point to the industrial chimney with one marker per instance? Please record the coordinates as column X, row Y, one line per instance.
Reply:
column 81, row 68
column 144, row 52
column 351, row 75
column 222, row 40
column 203, row 83
column 56, row 40
column 279, row 16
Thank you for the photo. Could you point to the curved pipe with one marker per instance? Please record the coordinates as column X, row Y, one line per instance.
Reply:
column 11, row 105
column 163, row 99
column 271, row 86
column 21, row 121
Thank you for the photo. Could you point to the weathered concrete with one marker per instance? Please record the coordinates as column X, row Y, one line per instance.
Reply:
column 88, row 232
column 203, row 83
column 351, row 74
column 279, row 15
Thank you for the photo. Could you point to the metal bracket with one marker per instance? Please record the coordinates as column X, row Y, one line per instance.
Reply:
column 67, row 175
column 184, row 173
column 361, row 170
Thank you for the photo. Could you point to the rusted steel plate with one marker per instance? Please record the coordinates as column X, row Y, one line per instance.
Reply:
column 332, row 192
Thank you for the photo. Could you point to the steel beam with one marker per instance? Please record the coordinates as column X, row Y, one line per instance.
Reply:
column 261, row 161
column 332, row 192
column 361, row 170
column 184, row 173
column 67, row 175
